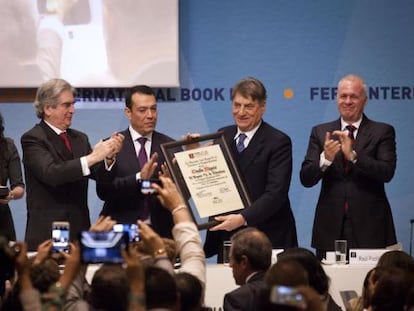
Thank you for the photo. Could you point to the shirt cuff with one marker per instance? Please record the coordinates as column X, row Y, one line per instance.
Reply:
column 85, row 168
column 323, row 162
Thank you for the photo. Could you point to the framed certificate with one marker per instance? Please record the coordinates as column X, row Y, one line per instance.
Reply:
column 207, row 177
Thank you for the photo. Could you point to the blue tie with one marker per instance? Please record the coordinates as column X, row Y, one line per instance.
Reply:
column 240, row 144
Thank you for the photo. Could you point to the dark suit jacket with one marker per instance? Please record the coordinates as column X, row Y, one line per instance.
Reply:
column 362, row 186
column 266, row 169
column 56, row 188
column 122, row 196
column 247, row 296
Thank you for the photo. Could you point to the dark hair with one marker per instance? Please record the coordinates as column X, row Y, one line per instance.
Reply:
column 253, row 244
column 44, row 274
column 140, row 89
column 317, row 276
column 160, row 288
column 397, row 259
column 110, row 288
column 190, row 290
column 250, row 87
column 288, row 273
column 391, row 290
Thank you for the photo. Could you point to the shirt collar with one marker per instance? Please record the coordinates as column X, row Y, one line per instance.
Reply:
column 135, row 135
column 249, row 134
column 54, row 128
column 356, row 124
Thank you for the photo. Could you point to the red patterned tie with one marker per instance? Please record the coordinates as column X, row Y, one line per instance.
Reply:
column 65, row 139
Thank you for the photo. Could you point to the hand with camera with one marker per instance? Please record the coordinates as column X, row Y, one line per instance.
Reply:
column 43, row 251
column 102, row 224
column 72, row 265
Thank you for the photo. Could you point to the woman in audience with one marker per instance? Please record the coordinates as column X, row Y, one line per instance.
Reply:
column 391, row 290
column 362, row 302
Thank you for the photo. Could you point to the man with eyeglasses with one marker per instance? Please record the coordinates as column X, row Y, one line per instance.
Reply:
column 58, row 161
column 140, row 158
column 354, row 157
column 263, row 155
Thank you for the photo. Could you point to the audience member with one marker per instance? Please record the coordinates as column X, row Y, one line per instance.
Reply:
column 250, row 257
column 190, row 292
column 318, row 279
column 123, row 198
column 362, row 302
column 10, row 174
column 265, row 164
column 391, row 290
column 288, row 273
column 56, row 160
column 160, row 289
column 353, row 156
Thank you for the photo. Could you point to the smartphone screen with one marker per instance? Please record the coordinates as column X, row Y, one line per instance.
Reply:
column 146, row 186
column 130, row 229
column 60, row 236
column 289, row 296
column 102, row 247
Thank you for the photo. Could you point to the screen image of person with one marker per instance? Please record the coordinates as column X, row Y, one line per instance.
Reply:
column 353, row 157
column 263, row 155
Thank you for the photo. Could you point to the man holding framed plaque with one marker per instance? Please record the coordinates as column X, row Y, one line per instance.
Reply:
column 263, row 156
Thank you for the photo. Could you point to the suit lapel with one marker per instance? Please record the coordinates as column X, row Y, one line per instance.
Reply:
column 130, row 152
column 364, row 134
column 56, row 142
column 255, row 147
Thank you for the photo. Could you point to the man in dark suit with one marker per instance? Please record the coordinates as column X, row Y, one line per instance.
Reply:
column 124, row 201
column 353, row 156
column 250, row 258
column 57, row 168
column 264, row 159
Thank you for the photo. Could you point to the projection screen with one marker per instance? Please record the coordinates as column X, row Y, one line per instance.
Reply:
column 90, row 43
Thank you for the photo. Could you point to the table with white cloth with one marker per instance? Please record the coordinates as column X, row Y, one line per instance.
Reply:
column 343, row 277
column 220, row 281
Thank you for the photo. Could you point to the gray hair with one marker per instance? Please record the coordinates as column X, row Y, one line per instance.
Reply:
column 48, row 93
column 355, row 78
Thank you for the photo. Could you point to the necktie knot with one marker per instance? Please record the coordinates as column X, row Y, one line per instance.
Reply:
column 240, row 143
column 142, row 140
column 351, row 129
column 64, row 137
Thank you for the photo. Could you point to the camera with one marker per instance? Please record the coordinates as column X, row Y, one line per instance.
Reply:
column 288, row 296
column 130, row 229
column 103, row 247
column 60, row 236
column 145, row 185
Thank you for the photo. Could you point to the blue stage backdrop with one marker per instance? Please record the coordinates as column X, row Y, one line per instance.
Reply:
column 299, row 49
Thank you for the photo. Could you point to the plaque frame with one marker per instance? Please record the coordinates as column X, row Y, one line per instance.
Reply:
column 171, row 148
